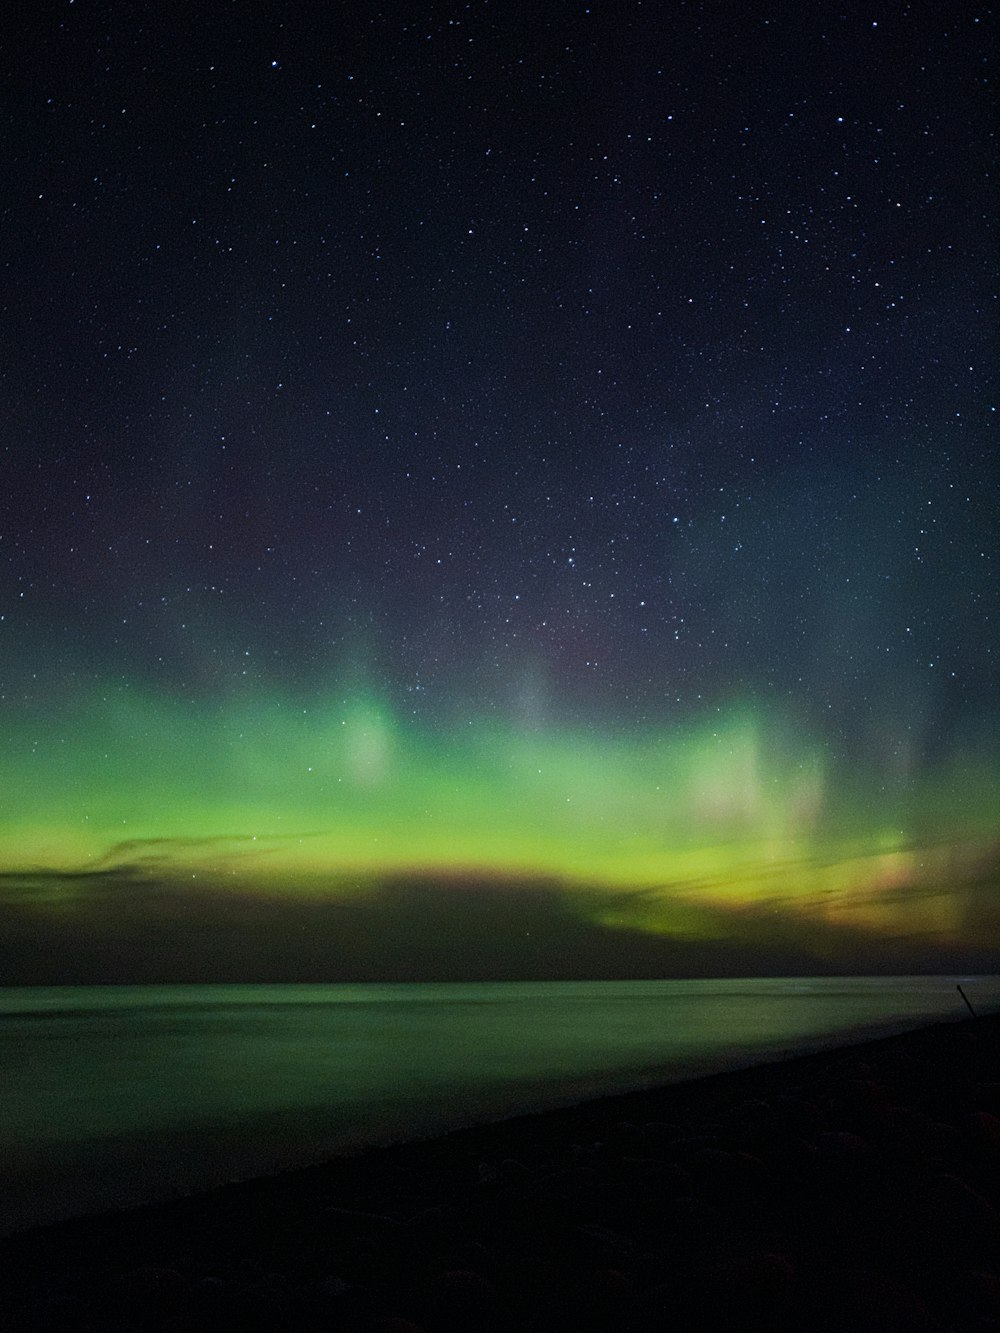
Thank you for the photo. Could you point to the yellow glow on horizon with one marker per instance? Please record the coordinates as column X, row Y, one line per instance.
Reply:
column 735, row 812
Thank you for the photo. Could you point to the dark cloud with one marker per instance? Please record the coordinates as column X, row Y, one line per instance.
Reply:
column 415, row 929
column 156, row 851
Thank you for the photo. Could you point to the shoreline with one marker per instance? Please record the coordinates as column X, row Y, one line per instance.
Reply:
column 849, row 1188
column 134, row 1170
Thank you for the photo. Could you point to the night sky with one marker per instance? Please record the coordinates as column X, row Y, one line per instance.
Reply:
column 494, row 490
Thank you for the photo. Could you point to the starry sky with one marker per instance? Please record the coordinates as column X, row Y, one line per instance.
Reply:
column 497, row 491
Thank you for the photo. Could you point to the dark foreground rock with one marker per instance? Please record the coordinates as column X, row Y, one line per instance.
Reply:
column 849, row 1192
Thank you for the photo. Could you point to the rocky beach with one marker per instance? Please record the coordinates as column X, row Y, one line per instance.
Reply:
column 847, row 1191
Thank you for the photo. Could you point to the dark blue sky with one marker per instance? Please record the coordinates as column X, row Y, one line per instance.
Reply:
column 591, row 367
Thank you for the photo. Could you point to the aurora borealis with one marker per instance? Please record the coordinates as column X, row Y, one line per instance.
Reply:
column 687, row 836
column 498, row 497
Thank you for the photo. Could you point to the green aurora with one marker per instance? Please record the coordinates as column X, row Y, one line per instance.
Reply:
column 296, row 799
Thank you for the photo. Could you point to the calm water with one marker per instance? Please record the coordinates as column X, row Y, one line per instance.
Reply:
column 114, row 1095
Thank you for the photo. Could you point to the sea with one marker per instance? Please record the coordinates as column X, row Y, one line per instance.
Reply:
column 112, row 1096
